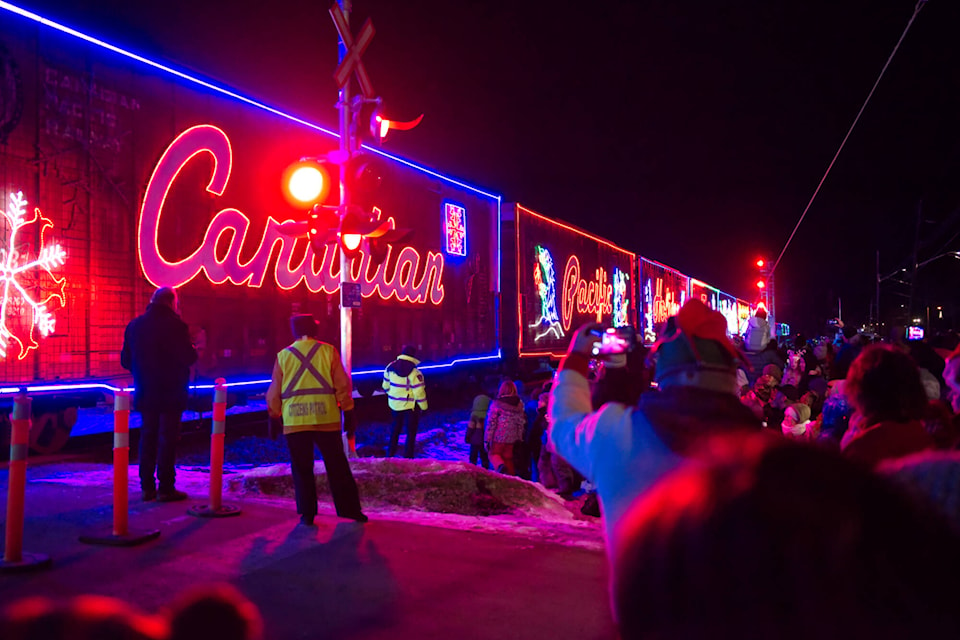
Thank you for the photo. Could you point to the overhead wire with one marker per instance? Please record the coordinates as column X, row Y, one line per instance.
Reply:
column 916, row 11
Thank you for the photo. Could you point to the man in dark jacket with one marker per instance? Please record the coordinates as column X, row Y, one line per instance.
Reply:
column 158, row 351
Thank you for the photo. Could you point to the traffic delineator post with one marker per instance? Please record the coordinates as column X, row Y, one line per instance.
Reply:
column 14, row 557
column 121, row 535
column 215, row 508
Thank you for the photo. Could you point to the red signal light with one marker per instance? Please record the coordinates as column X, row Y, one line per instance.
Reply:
column 305, row 183
column 761, row 284
column 760, row 263
column 351, row 241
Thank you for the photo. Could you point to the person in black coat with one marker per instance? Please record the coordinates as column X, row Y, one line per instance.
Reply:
column 158, row 351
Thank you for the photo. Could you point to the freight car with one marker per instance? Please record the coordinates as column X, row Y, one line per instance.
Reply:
column 120, row 174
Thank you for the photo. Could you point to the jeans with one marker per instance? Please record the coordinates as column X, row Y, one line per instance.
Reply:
column 411, row 416
column 346, row 497
column 479, row 451
column 158, row 449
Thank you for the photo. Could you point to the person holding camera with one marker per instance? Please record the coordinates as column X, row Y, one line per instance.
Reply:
column 623, row 450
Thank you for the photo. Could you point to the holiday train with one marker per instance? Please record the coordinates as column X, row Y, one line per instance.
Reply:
column 121, row 174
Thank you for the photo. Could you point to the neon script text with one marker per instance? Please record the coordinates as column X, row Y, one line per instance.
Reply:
column 319, row 272
column 594, row 297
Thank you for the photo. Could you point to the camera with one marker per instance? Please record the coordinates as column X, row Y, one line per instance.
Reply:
column 613, row 340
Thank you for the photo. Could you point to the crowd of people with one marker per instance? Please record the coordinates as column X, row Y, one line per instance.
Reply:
column 748, row 487
column 809, row 492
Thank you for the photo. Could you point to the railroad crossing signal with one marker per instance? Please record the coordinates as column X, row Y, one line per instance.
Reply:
column 351, row 61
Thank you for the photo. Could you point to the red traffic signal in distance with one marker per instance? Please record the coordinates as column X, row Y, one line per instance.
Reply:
column 306, row 183
column 760, row 263
column 761, row 284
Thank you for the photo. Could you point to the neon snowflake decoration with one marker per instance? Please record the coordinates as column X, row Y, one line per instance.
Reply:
column 21, row 281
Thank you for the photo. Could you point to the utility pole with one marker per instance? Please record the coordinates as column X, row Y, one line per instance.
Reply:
column 346, row 150
column 877, row 294
column 916, row 266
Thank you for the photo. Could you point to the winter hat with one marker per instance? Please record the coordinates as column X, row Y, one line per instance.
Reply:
column 930, row 384
column 766, row 381
column 774, row 371
column 698, row 343
column 800, row 411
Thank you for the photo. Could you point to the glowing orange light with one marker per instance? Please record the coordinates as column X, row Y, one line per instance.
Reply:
column 351, row 241
column 761, row 284
column 307, row 183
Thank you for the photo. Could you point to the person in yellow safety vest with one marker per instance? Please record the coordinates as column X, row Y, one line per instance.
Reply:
column 309, row 390
column 407, row 397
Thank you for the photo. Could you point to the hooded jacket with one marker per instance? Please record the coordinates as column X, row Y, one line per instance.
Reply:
column 758, row 334
column 405, row 385
column 624, row 450
column 505, row 420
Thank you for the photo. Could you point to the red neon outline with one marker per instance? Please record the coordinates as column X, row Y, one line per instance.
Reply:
column 520, row 328
column 220, row 269
column 576, row 230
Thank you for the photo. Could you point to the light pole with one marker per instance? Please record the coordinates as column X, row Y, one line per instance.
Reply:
column 346, row 152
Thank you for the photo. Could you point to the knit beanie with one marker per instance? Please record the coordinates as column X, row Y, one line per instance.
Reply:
column 773, row 371
column 698, row 343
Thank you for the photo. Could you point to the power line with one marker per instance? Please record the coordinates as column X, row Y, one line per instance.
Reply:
column 916, row 11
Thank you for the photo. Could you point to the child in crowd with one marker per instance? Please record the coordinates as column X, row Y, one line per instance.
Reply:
column 474, row 437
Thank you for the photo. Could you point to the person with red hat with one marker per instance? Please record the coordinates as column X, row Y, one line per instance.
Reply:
column 623, row 450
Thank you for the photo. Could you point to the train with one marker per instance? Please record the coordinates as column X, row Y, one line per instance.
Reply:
column 121, row 174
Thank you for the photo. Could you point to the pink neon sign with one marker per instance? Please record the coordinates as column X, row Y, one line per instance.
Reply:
column 318, row 272
column 594, row 297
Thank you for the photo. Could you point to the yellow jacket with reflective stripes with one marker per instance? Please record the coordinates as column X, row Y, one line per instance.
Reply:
column 310, row 387
column 404, row 384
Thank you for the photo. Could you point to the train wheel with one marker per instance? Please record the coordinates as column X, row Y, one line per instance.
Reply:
column 50, row 431
column 367, row 389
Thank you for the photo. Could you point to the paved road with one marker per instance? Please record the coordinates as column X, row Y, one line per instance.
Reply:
column 380, row 580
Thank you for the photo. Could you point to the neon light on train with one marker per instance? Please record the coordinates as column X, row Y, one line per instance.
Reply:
column 621, row 298
column 234, row 225
column 455, row 228
column 594, row 297
column 545, row 279
column 20, row 280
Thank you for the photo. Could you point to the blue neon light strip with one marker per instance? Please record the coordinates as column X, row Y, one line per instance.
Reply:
column 102, row 386
column 227, row 92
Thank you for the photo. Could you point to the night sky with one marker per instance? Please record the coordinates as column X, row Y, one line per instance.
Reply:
column 691, row 132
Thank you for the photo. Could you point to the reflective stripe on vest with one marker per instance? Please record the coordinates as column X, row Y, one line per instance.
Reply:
column 308, row 396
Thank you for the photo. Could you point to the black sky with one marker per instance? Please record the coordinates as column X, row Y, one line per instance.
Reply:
column 693, row 133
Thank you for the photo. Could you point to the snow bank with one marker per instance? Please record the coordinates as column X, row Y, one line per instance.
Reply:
column 426, row 485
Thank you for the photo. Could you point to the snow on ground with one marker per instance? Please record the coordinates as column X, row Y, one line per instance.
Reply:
column 437, row 488
column 496, row 504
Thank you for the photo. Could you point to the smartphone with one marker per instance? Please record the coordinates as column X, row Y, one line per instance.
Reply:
column 614, row 340
column 914, row 333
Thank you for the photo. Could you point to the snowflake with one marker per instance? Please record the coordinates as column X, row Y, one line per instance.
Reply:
column 19, row 276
